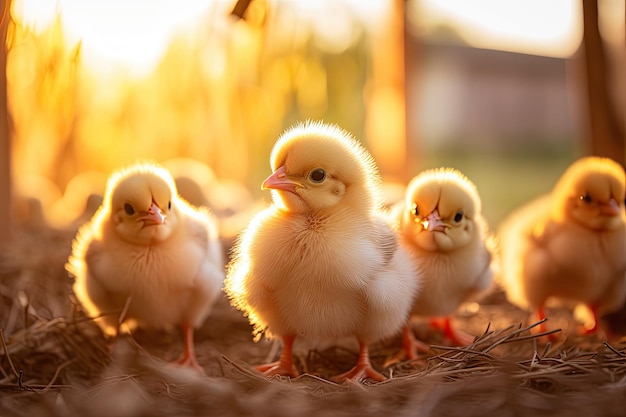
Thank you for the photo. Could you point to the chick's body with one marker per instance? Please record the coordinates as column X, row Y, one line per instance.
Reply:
column 321, row 262
column 147, row 258
column 311, row 281
column 570, row 246
column 441, row 225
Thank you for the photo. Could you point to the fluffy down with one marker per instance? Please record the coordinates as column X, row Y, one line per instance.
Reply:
column 147, row 258
column 321, row 262
column 441, row 226
column 570, row 246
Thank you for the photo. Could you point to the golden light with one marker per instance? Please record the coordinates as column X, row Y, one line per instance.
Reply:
column 133, row 34
column 116, row 35
column 93, row 85
column 552, row 28
column 37, row 14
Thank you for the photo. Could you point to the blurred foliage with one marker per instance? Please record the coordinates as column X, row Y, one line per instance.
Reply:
column 221, row 96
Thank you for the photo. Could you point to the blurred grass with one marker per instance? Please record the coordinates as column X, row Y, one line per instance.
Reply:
column 505, row 178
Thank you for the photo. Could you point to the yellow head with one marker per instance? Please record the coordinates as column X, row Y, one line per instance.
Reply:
column 318, row 166
column 140, row 202
column 441, row 210
column 591, row 192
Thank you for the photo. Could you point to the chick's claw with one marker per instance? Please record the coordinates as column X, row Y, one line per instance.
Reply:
column 280, row 367
column 358, row 373
column 362, row 370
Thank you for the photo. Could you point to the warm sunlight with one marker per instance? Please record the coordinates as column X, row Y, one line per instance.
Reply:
column 37, row 14
column 93, row 86
column 538, row 27
column 135, row 33
column 118, row 34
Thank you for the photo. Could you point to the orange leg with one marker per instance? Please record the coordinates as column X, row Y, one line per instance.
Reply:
column 455, row 336
column 410, row 344
column 284, row 365
column 363, row 368
column 188, row 357
column 596, row 321
column 541, row 315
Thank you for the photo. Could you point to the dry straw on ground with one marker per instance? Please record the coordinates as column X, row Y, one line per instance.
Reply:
column 55, row 362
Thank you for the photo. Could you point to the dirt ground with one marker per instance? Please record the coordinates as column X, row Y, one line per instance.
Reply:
column 55, row 362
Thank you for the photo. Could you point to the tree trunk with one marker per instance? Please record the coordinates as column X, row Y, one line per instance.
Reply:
column 606, row 128
column 5, row 145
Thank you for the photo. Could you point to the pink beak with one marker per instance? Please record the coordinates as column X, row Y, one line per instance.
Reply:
column 154, row 217
column 610, row 209
column 279, row 181
column 433, row 222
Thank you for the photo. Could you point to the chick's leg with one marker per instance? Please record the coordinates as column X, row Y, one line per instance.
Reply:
column 455, row 336
column 541, row 316
column 595, row 327
column 410, row 344
column 188, row 357
column 363, row 368
column 284, row 365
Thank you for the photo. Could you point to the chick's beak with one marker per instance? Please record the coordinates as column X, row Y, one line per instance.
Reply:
column 154, row 217
column 279, row 181
column 610, row 209
column 433, row 223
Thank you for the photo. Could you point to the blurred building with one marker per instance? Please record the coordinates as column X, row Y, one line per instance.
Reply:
column 460, row 95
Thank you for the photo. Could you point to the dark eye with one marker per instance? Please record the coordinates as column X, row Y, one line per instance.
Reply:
column 415, row 210
column 317, row 175
column 458, row 216
column 129, row 209
column 169, row 205
column 586, row 198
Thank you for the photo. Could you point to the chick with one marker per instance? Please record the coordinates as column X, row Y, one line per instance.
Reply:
column 441, row 225
column 147, row 258
column 570, row 246
column 321, row 262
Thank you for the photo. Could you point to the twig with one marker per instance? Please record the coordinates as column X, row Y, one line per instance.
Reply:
column 57, row 372
column 244, row 370
column 123, row 313
column 533, row 336
column 6, row 353
column 617, row 352
column 461, row 349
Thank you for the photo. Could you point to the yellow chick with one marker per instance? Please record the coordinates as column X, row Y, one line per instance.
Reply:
column 441, row 225
column 570, row 246
column 321, row 262
column 148, row 258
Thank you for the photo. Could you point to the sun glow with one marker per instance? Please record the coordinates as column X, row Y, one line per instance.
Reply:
column 540, row 27
column 117, row 34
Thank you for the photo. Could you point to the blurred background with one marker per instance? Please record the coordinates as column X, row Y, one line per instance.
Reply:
column 508, row 91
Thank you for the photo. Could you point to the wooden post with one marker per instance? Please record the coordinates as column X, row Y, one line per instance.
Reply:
column 606, row 129
column 386, row 108
column 5, row 145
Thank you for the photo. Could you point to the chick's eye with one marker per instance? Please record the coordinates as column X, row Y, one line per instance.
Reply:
column 586, row 198
column 317, row 175
column 169, row 205
column 458, row 216
column 129, row 209
column 415, row 210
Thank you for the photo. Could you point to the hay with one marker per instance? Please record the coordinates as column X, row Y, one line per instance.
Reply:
column 54, row 361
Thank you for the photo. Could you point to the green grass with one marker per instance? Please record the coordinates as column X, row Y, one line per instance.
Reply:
column 505, row 179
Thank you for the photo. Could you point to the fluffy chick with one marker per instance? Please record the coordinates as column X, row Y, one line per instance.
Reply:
column 441, row 225
column 570, row 245
column 147, row 258
column 321, row 262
